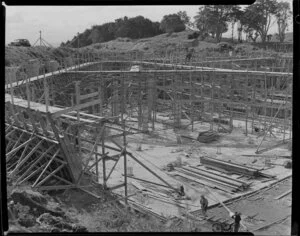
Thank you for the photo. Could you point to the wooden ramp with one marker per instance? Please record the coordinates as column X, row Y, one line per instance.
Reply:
column 36, row 151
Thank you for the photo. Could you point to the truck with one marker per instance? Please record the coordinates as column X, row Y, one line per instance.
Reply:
column 20, row 43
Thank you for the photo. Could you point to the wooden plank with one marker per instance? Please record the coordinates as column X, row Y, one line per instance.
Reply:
column 32, row 174
column 22, row 161
column 270, row 224
column 283, row 195
column 116, row 187
column 90, row 95
column 91, row 154
column 48, row 164
column 152, row 172
column 50, row 175
column 71, row 164
column 146, row 181
column 18, row 148
column 112, row 169
column 56, row 187
column 214, row 182
column 77, row 107
column 204, row 183
column 34, row 164
column 18, row 141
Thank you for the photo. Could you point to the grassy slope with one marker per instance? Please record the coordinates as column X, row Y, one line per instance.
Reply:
column 155, row 43
column 18, row 55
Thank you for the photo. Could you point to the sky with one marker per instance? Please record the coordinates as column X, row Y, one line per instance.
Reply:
column 61, row 23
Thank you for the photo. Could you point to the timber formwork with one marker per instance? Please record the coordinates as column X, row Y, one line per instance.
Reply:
column 74, row 109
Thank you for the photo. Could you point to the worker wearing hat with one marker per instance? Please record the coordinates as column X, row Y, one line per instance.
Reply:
column 237, row 219
column 204, row 204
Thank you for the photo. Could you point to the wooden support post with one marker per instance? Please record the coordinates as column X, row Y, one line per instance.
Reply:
column 28, row 92
column 34, row 163
column 50, row 175
column 156, row 175
column 246, row 101
column 77, row 91
column 265, row 106
column 97, row 164
column 11, row 87
column 252, row 103
column 103, row 158
column 32, row 173
column 18, row 141
column 8, row 155
column 140, row 119
column 124, row 140
column 25, row 158
column 48, row 164
column 212, row 101
column 46, row 91
column 232, row 87
column 191, row 101
column 112, row 169
column 100, row 135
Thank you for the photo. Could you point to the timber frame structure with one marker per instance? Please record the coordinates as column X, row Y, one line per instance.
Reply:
column 62, row 124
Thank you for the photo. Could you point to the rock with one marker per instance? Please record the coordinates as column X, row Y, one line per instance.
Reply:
column 34, row 200
column 287, row 164
column 58, row 223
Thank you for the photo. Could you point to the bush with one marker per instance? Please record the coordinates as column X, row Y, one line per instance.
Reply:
column 7, row 62
column 194, row 35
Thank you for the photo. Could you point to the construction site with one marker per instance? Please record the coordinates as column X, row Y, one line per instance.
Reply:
column 156, row 132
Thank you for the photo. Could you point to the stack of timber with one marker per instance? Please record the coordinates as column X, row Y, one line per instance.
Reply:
column 232, row 167
column 208, row 136
column 157, row 195
column 210, row 179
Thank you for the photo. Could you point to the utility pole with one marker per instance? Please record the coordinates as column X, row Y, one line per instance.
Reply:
column 78, row 40
column 78, row 49
column 40, row 38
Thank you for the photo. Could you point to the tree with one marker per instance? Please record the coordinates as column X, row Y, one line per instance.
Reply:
column 235, row 16
column 282, row 16
column 185, row 19
column 213, row 19
column 172, row 23
column 258, row 17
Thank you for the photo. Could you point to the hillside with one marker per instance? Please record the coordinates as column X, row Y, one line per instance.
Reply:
column 18, row 55
column 151, row 44
column 160, row 43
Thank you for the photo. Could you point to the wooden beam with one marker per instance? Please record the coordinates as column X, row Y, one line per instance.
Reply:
column 283, row 194
column 283, row 142
column 18, row 141
column 33, row 164
column 152, row 172
column 25, row 158
column 48, row 164
column 117, row 186
column 146, row 181
column 50, row 175
column 90, row 95
column 32, row 174
column 91, row 154
column 18, row 148
column 56, row 187
column 77, row 107
column 112, row 169
column 270, row 224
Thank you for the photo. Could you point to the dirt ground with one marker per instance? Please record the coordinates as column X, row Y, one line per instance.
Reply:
column 161, row 147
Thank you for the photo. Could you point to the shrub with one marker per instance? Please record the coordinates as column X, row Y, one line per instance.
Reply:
column 194, row 35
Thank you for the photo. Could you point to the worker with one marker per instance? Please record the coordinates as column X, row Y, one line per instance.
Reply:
column 204, row 205
column 189, row 54
column 237, row 219
column 181, row 191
